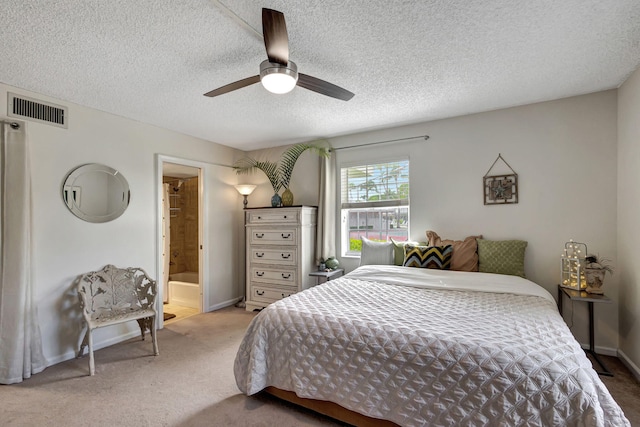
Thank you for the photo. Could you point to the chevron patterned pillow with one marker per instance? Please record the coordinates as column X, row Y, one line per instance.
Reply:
column 437, row 257
column 398, row 249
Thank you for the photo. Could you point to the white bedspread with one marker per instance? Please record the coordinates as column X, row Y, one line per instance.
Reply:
column 423, row 347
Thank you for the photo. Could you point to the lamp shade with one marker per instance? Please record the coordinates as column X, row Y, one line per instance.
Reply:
column 245, row 189
column 278, row 78
column 278, row 83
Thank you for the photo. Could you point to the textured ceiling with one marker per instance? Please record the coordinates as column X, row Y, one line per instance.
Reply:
column 406, row 61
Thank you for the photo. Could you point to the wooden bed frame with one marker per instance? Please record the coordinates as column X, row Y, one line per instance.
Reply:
column 329, row 409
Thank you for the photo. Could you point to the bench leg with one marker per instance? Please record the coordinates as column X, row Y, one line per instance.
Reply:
column 149, row 323
column 83, row 344
column 92, row 364
column 143, row 323
column 153, row 336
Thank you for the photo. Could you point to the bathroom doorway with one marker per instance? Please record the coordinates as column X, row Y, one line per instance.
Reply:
column 181, row 244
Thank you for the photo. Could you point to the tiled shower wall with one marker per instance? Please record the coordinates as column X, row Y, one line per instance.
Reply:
column 184, row 225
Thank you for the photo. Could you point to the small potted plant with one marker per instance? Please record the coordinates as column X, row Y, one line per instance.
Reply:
column 595, row 270
column 332, row 263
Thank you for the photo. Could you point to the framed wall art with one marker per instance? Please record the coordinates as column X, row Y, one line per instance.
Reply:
column 500, row 189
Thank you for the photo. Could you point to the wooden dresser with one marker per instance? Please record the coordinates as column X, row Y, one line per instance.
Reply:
column 280, row 253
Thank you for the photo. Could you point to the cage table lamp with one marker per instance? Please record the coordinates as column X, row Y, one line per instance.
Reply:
column 572, row 265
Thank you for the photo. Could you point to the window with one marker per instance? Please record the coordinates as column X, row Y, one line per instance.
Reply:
column 375, row 203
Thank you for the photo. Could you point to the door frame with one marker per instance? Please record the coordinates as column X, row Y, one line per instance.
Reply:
column 203, row 270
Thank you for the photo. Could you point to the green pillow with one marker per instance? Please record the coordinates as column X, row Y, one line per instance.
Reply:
column 398, row 250
column 501, row 256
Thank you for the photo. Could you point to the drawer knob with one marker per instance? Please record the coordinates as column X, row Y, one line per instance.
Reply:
column 259, row 235
column 259, row 273
column 286, row 236
column 285, row 217
column 259, row 292
column 259, row 217
column 259, row 255
column 286, row 256
column 284, row 296
column 287, row 276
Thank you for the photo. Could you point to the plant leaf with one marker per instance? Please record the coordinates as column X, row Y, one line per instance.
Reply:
column 290, row 157
column 248, row 165
column 279, row 175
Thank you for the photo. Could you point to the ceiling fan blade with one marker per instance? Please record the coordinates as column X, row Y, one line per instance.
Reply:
column 276, row 40
column 325, row 88
column 234, row 86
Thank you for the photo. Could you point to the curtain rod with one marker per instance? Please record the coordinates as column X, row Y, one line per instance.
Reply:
column 14, row 125
column 222, row 165
column 425, row 137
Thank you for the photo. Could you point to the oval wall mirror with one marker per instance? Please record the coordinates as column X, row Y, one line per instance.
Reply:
column 96, row 193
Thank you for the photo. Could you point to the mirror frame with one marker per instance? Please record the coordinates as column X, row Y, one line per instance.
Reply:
column 69, row 198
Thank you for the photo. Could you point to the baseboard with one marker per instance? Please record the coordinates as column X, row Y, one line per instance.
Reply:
column 184, row 302
column 607, row 351
column 223, row 304
column 96, row 346
column 629, row 364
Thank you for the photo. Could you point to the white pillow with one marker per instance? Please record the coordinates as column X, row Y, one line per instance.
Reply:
column 376, row 253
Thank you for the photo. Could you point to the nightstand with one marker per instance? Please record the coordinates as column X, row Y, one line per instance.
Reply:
column 590, row 299
column 325, row 276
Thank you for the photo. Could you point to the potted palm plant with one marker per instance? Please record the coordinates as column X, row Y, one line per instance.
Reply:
column 248, row 165
column 279, row 174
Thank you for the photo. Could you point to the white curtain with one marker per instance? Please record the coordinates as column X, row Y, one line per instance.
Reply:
column 166, row 241
column 20, row 341
column 326, row 231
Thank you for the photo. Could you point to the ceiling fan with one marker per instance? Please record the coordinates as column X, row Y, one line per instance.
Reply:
column 278, row 74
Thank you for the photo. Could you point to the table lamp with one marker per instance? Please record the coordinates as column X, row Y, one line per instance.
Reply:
column 245, row 190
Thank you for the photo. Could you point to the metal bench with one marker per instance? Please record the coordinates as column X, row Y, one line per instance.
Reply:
column 116, row 295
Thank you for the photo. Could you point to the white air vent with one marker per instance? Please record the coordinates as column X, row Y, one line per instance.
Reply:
column 36, row 110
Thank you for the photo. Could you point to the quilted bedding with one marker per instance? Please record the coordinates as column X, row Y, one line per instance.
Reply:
column 423, row 347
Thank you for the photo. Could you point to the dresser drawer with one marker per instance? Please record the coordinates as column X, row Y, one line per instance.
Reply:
column 277, row 216
column 286, row 256
column 276, row 276
column 269, row 295
column 270, row 236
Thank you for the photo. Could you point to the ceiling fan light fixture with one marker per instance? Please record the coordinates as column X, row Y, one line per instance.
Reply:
column 278, row 78
column 278, row 74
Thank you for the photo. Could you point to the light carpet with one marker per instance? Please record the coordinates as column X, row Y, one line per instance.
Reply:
column 190, row 383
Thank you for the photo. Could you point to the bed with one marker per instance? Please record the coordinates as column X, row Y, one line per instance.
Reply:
column 416, row 347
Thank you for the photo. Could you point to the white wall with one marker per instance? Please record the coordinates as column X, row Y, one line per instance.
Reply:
column 564, row 152
column 629, row 218
column 65, row 246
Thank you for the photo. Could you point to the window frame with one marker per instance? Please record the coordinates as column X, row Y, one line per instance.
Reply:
column 345, row 207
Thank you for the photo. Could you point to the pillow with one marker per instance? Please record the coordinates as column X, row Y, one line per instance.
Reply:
column 376, row 253
column 398, row 250
column 436, row 257
column 465, row 252
column 502, row 256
